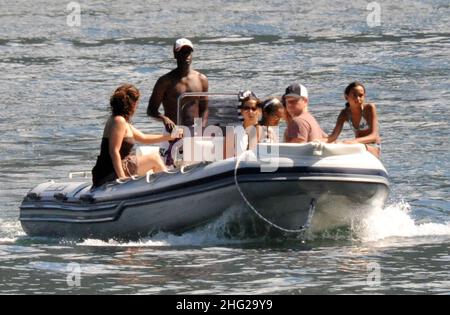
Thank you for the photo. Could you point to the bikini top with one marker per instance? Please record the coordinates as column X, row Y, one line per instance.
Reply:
column 363, row 124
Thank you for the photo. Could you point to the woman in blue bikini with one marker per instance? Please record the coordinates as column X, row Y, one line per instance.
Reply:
column 361, row 117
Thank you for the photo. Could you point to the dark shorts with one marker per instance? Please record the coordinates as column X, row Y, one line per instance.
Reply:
column 166, row 153
column 130, row 165
column 103, row 172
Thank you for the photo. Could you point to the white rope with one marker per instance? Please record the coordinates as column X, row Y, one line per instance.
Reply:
column 301, row 230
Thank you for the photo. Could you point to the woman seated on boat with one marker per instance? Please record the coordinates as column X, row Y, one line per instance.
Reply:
column 361, row 117
column 250, row 109
column 117, row 159
column 273, row 113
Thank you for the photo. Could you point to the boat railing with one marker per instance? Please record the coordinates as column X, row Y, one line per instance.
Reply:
column 84, row 174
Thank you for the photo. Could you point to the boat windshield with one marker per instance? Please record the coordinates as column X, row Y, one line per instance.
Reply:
column 222, row 107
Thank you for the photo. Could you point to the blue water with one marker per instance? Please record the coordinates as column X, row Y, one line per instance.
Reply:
column 55, row 85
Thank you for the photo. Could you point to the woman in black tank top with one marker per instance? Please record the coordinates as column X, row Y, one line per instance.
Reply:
column 117, row 157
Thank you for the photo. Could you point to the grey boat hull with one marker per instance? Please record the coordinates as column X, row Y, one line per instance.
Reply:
column 205, row 192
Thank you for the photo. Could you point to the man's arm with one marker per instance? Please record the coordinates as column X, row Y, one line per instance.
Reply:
column 155, row 101
column 203, row 102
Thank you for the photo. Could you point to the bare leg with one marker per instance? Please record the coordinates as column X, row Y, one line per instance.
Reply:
column 149, row 162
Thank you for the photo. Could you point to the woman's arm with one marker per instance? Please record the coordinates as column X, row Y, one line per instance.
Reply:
column 338, row 128
column 150, row 139
column 373, row 137
column 118, row 132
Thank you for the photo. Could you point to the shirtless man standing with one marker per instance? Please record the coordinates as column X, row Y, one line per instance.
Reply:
column 181, row 80
column 170, row 86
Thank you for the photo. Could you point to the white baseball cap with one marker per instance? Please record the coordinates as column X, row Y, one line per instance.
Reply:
column 182, row 42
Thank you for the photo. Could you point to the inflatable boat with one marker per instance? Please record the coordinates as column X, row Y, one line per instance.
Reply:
column 303, row 186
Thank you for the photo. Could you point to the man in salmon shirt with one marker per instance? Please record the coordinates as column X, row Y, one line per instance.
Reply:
column 302, row 126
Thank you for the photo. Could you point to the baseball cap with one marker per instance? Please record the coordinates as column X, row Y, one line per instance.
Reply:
column 296, row 90
column 182, row 42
